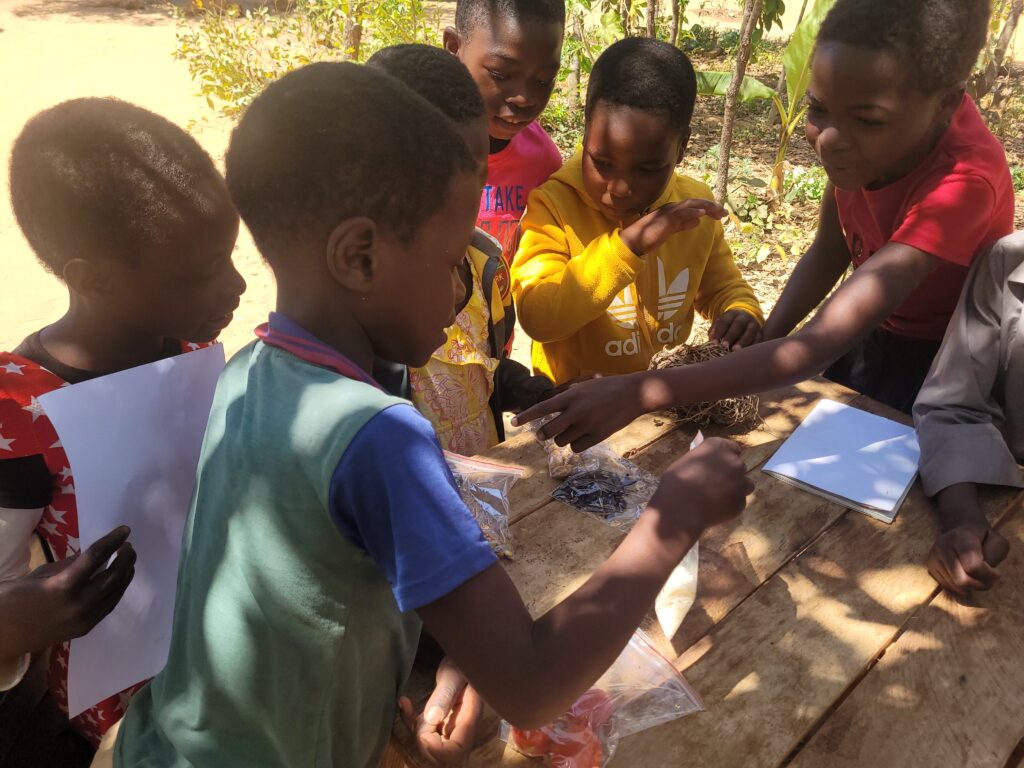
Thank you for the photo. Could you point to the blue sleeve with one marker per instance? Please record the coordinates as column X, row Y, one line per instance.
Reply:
column 393, row 495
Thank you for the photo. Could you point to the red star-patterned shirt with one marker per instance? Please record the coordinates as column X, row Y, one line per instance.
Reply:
column 35, row 473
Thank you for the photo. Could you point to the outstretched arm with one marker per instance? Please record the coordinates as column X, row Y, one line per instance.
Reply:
column 530, row 670
column 596, row 409
column 816, row 274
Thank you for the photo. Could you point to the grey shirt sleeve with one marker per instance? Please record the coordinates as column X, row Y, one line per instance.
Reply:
column 960, row 412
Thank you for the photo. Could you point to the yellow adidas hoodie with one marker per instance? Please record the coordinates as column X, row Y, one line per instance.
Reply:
column 591, row 305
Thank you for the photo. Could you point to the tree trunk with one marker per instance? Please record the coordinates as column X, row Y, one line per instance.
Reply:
column 574, row 82
column 673, row 34
column 751, row 13
column 353, row 32
column 652, row 18
column 983, row 82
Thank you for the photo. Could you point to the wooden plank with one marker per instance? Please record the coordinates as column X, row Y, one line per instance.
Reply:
column 557, row 547
column 736, row 558
column 948, row 692
column 787, row 653
column 780, row 410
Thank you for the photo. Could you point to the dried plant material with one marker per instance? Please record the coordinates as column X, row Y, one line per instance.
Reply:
column 730, row 412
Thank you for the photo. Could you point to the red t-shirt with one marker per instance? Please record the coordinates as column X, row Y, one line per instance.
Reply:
column 527, row 162
column 36, row 473
column 954, row 205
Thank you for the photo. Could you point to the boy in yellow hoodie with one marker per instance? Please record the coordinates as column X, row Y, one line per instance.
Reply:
column 617, row 249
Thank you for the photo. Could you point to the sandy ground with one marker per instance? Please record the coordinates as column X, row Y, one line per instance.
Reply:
column 52, row 51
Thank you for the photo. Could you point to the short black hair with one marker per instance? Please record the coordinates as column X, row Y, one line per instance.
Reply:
column 647, row 74
column 102, row 178
column 937, row 41
column 336, row 140
column 470, row 14
column 435, row 75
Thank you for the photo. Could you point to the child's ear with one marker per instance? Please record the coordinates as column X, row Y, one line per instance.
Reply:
column 352, row 258
column 87, row 278
column 684, row 142
column 451, row 41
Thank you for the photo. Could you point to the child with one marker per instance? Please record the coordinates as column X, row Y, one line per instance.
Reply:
column 129, row 212
column 513, row 50
column 617, row 249
column 469, row 381
column 918, row 187
column 970, row 417
column 326, row 525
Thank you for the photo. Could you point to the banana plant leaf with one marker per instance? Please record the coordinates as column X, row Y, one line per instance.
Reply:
column 797, row 57
column 717, row 83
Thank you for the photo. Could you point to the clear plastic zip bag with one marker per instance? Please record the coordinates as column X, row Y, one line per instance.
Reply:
column 484, row 487
column 640, row 690
column 615, row 490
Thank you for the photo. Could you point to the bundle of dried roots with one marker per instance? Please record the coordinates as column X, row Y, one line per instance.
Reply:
column 730, row 412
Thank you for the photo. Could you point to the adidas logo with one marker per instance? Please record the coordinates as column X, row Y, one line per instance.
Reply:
column 623, row 309
column 669, row 336
column 670, row 299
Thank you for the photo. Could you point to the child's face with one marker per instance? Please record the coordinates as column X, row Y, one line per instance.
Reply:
column 629, row 156
column 867, row 125
column 475, row 135
column 187, row 287
column 515, row 66
column 418, row 283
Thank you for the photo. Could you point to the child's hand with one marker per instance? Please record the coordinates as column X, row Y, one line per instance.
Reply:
column 735, row 329
column 964, row 559
column 651, row 231
column 572, row 383
column 63, row 600
column 707, row 486
column 446, row 728
column 589, row 411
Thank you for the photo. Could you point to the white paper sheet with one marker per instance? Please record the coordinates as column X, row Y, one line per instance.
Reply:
column 852, row 455
column 133, row 440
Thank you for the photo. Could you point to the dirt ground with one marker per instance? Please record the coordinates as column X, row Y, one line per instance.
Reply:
column 59, row 49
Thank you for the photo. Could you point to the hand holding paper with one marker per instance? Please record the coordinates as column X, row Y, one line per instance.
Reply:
column 62, row 600
column 133, row 440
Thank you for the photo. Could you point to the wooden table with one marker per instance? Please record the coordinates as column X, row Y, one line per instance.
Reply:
column 817, row 637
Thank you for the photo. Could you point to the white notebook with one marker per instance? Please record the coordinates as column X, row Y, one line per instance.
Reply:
column 863, row 461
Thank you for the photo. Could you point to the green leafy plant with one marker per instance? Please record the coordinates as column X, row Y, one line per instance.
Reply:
column 591, row 26
column 565, row 125
column 700, row 39
column 805, row 185
column 717, row 83
column 1017, row 174
column 233, row 54
column 796, row 59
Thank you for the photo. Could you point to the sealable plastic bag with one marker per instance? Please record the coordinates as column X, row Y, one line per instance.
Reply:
column 680, row 591
column 562, row 461
column 616, row 491
column 484, row 488
column 598, row 481
column 640, row 690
